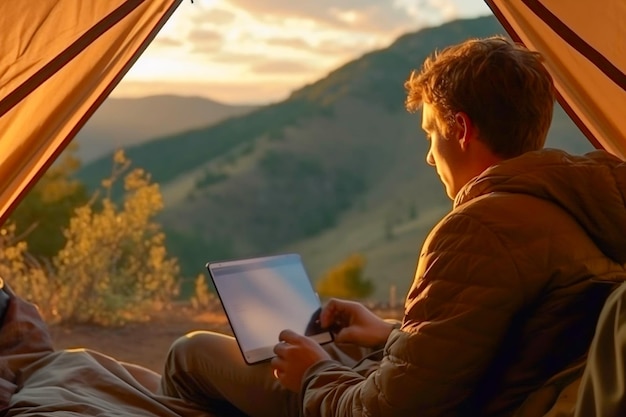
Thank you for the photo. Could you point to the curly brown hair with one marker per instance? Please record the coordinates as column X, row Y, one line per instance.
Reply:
column 503, row 87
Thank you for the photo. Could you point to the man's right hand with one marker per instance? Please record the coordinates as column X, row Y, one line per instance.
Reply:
column 352, row 322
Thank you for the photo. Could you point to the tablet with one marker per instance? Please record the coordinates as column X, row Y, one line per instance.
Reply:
column 264, row 296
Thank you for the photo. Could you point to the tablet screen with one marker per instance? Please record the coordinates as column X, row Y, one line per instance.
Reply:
column 262, row 297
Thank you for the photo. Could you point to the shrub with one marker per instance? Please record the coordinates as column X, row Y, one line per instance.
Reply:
column 346, row 280
column 114, row 266
column 25, row 275
column 203, row 298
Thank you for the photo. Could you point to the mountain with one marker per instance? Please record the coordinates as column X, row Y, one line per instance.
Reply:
column 337, row 168
column 124, row 122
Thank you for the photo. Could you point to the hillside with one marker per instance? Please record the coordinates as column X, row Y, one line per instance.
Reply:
column 337, row 168
column 125, row 122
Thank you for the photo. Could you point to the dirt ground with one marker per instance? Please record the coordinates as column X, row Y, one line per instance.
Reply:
column 146, row 343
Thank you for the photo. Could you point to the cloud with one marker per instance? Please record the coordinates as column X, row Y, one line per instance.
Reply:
column 165, row 41
column 342, row 48
column 325, row 47
column 214, row 16
column 232, row 50
column 205, row 40
column 281, row 67
column 367, row 15
column 228, row 57
column 448, row 9
column 295, row 43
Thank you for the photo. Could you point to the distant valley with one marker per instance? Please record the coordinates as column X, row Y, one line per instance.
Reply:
column 125, row 122
column 337, row 168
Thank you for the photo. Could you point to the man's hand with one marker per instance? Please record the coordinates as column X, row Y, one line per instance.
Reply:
column 352, row 322
column 294, row 355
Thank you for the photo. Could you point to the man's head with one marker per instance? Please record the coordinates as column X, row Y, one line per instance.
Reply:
column 492, row 97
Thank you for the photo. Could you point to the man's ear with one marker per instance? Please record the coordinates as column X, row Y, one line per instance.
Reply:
column 465, row 129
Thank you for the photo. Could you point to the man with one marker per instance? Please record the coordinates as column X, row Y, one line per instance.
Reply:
column 505, row 293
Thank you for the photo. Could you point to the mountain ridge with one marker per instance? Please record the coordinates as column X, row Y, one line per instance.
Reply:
column 353, row 78
column 124, row 122
column 336, row 168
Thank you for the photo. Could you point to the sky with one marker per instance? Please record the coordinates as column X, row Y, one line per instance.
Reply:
column 259, row 51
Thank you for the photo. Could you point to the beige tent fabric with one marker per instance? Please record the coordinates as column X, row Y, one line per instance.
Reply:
column 59, row 61
column 584, row 44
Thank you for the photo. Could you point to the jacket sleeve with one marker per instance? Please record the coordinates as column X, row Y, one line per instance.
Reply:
column 465, row 293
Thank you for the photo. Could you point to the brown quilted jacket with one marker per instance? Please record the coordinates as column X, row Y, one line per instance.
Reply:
column 504, row 294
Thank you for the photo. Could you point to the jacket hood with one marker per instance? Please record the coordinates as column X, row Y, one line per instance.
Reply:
column 591, row 188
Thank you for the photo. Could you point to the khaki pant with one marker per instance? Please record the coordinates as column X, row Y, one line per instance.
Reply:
column 208, row 369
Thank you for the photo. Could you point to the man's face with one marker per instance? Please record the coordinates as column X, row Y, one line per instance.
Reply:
column 445, row 153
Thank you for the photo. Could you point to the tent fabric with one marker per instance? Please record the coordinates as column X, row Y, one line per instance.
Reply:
column 584, row 46
column 60, row 59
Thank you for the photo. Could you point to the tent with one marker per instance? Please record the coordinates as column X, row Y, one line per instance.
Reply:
column 55, row 71
column 585, row 51
column 60, row 59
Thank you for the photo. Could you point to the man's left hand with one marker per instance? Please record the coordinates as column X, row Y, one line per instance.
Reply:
column 294, row 355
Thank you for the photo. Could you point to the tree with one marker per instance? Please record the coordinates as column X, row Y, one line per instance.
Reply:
column 46, row 210
column 346, row 280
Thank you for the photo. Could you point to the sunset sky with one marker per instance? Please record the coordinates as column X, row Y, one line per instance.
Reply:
column 258, row 51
